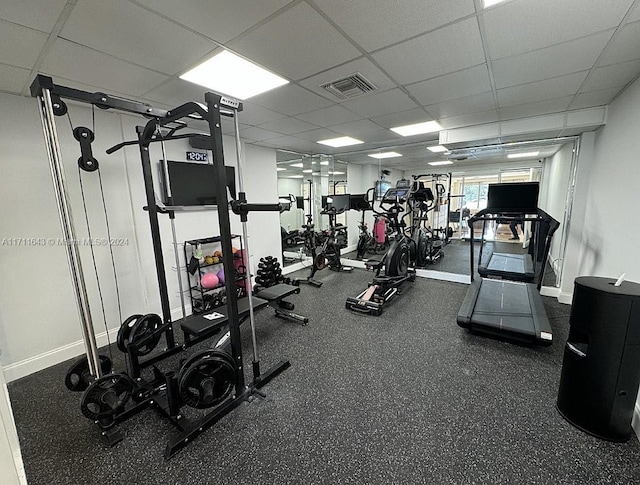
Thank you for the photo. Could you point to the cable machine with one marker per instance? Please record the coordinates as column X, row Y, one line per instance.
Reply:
column 213, row 378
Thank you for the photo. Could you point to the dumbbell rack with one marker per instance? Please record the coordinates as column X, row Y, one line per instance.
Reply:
column 203, row 299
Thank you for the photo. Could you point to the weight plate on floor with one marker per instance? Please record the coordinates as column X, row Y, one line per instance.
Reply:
column 208, row 381
column 106, row 396
column 320, row 261
column 78, row 377
column 145, row 329
column 125, row 329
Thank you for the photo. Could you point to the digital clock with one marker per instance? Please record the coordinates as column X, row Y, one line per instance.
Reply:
column 197, row 156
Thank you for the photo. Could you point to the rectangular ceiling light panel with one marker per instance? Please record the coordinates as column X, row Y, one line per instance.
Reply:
column 417, row 128
column 385, row 155
column 435, row 164
column 523, row 155
column 229, row 74
column 342, row 141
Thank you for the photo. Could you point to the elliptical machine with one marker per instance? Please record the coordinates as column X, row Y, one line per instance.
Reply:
column 395, row 261
column 426, row 247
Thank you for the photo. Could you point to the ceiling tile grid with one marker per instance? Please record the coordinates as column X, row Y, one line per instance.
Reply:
column 35, row 14
column 566, row 58
column 625, row 46
column 219, row 20
column 440, row 52
column 452, row 86
column 13, row 79
column 30, row 45
column 296, row 44
column 535, row 108
column 593, row 98
column 522, row 26
column 541, row 90
column 374, row 24
column 614, row 75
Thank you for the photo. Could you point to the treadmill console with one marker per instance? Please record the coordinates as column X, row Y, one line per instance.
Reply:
column 395, row 194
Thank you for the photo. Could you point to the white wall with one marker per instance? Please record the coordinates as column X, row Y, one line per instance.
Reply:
column 41, row 325
column 603, row 238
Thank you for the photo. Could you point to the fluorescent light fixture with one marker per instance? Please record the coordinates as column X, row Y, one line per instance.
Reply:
column 385, row 155
column 523, row 155
column 491, row 3
column 230, row 74
column 326, row 162
column 343, row 141
column 297, row 165
column 444, row 162
column 307, row 171
column 417, row 128
column 280, row 169
column 296, row 176
column 335, row 173
column 316, row 174
column 437, row 149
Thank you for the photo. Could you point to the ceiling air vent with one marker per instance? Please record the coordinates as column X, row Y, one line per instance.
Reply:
column 349, row 87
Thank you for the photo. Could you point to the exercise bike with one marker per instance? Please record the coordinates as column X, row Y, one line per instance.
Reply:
column 332, row 241
column 395, row 261
column 366, row 240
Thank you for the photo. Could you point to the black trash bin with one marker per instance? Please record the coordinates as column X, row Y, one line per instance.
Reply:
column 601, row 365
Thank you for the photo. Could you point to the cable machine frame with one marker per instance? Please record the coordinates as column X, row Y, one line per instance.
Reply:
column 49, row 96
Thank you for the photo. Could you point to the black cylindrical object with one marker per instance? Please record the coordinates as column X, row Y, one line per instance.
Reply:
column 601, row 366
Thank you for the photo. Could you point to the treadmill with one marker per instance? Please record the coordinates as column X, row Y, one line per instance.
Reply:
column 505, row 302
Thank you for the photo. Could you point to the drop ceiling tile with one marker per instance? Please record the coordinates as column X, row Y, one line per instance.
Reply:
column 556, row 87
column 291, row 100
column 36, row 14
column 401, row 118
column 254, row 133
column 535, row 109
column 318, row 134
column 219, row 20
column 114, row 28
column 363, row 65
column 20, row 46
column 612, row 76
column 328, row 117
column 287, row 126
column 383, row 136
column 446, row 50
column 489, row 116
column 451, row 86
column 176, row 92
column 358, row 129
column 13, row 79
column 70, row 60
column 294, row 143
column 296, row 44
column 625, row 45
column 377, row 23
column 554, row 61
column 519, row 27
column 462, row 106
column 635, row 15
column 378, row 104
column 594, row 98
column 253, row 114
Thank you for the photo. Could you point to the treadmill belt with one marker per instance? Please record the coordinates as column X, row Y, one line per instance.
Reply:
column 516, row 267
column 506, row 308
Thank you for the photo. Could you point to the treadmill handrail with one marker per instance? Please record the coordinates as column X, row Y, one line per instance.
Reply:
column 493, row 215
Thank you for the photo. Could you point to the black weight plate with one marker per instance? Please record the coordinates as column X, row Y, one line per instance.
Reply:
column 78, row 376
column 125, row 329
column 144, row 328
column 106, row 396
column 193, row 358
column 208, row 381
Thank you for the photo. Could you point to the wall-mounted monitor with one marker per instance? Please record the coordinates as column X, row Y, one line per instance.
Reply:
column 194, row 184
column 299, row 202
column 359, row 202
column 521, row 197
column 381, row 188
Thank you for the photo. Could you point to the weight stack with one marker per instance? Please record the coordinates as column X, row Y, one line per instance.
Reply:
column 601, row 365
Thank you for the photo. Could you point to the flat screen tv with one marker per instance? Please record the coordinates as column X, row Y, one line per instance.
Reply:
column 519, row 197
column 359, row 202
column 341, row 202
column 193, row 184
column 299, row 202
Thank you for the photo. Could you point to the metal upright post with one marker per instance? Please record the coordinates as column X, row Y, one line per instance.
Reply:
column 222, row 202
column 68, row 230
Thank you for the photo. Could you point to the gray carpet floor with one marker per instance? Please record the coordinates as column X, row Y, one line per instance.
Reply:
column 405, row 398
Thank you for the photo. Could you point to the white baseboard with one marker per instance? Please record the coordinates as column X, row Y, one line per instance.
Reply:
column 565, row 298
column 37, row 363
column 443, row 276
column 550, row 291
column 635, row 422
